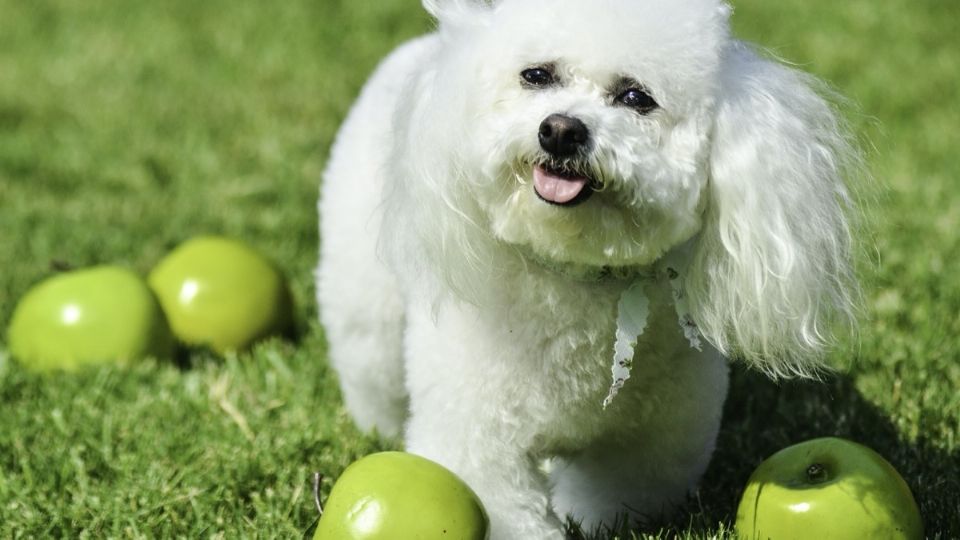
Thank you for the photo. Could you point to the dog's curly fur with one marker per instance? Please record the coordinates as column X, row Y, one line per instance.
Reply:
column 475, row 317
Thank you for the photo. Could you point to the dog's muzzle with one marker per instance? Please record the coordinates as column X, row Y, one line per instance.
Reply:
column 563, row 138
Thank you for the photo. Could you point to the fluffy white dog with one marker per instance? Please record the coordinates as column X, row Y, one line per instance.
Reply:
column 546, row 197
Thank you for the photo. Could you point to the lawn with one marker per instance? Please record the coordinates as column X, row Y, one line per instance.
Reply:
column 127, row 127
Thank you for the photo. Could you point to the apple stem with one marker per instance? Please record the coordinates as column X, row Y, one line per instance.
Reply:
column 816, row 473
column 317, row 478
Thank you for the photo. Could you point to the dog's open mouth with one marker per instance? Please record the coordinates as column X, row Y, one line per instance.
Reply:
column 560, row 186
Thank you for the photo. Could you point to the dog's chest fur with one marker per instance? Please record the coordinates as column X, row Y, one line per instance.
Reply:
column 547, row 344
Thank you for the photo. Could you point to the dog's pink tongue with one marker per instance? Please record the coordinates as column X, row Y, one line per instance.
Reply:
column 557, row 189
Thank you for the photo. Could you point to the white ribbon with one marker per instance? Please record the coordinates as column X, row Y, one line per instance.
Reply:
column 633, row 309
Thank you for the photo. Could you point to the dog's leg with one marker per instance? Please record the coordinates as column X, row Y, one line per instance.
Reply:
column 364, row 332
column 512, row 488
column 467, row 413
column 647, row 470
column 362, row 314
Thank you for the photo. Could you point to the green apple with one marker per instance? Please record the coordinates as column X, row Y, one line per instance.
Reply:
column 221, row 293
column 827, row 488
column 394, row 495
column 100, row 314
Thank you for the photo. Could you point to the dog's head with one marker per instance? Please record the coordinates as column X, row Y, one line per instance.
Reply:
column 585, row 125
column 607, row 133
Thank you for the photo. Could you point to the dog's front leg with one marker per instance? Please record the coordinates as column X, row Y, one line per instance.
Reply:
column 467, row 413
column 512, row 488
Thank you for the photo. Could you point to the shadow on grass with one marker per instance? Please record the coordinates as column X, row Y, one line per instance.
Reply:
column 188, row 357
column 761, row 417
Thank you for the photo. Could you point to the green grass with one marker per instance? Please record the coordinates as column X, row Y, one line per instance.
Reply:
column 127, row 127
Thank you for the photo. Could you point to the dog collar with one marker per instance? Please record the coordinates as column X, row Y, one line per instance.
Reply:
column 585, row 273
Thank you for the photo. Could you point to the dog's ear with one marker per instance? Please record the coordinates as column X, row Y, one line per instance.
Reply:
column 451, row 10
column 771, row 271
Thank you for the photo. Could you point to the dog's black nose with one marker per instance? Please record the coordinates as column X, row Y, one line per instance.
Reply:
column 562, row 135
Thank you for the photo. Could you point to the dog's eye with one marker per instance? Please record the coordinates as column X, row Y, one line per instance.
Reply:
column 537, row 76
column 636, row 98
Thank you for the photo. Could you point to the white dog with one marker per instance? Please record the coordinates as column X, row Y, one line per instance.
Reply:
column 546, row 197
